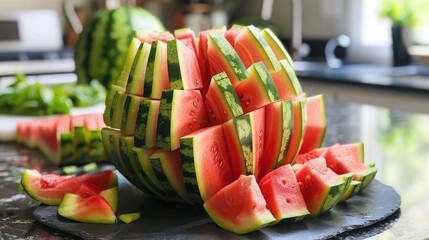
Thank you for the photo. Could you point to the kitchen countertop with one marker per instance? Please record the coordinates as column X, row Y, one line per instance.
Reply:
column 397, row 142
column 412, row 78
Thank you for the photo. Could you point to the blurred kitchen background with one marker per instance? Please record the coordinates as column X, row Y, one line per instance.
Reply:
column 344, row 40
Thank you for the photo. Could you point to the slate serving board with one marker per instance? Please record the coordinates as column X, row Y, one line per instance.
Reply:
column 161, row 220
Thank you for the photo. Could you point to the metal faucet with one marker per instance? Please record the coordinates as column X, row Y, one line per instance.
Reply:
column 331, row 45
column 296, row 22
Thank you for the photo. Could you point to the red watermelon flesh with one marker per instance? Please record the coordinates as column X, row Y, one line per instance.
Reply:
column 316, row 124
column 283, row 195
column 187, row 37
column 344, row 159
column 286, row 81
column 149, row 37
column 232, row 33
column 87, row 189
column 203, row 62
column 239, row 207
column 315, row 153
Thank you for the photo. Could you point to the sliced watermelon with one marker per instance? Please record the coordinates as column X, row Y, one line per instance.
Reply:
column 315, row 153
column 149, row 36
column 286, row 81
column 183, row 70
column 232, row 33
column 239, row 207
column 299, row 122
column 136, row 84
column 50, row 188
column 320, row 186
column 156, row 78
column 276, row 45
column 203, row 61
column 187, row 37
column 180, row 112
column 283, row 195
column 316, row 124
column 205, row 163
column 221, row 100
column 257, row 90
column 132, row 51
column 48, row 136
column 223, row 58
column 92, row 209
column 130, row 114
column 167, row 167
column 278, row 133
column 111, row 101
column 252, row 48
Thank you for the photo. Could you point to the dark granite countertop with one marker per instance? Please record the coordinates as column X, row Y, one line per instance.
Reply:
column 412, row 78
column 397, row 142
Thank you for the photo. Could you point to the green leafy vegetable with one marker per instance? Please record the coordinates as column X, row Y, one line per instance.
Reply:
column 23, row 98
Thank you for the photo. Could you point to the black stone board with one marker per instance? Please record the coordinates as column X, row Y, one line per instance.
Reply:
column 162, row 220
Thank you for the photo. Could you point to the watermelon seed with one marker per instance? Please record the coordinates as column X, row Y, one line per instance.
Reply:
column 224, row 112
column 190, row 125
column 192, row 113
column 194, row 120
column 213, row 116
column 284, row 182
column 288, row 200
column 247, row 103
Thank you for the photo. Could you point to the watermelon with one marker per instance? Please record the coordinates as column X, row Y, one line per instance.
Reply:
column 348, row 158
column 257, row 90
column 215, row 116
column 100, row 51
column 65, row 139
column 239, row 207
column 316, row 124
column 50, row 188
column 87, row 209
column 205, row 162
column 283, row 195
column 320, row 186
column 180, row 112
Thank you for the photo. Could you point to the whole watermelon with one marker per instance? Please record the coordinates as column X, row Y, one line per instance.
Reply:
column 101, row 47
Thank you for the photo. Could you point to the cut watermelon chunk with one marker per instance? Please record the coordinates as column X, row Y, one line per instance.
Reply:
column 320, row 186
column 348, row 158
column 136, row 84
column 239, row 207
column 283, row 195
column 286, row 81
column 50, row 188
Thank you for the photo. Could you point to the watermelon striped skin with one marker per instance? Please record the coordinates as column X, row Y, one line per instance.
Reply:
column 146, row 123
column 221, row 100
column 129, row 63
column 135, row 85
column 286, row 81
column 101, row 47
column 223, row 58
column 180, row 112
column 157, row 78
column 130, row 114
column 252, row 47
column 276, row 45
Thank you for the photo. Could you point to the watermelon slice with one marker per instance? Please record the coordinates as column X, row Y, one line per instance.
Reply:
column 48, row 134
column 278, row 133
column 258, row 90
column 180, row 112
column 316, row 124
column 136, row 84
column 205, row 162
column 50, row 188
column 252, row 48
column 276, row 46
column 156, row 78
column 146, row 123
column 187, row 37
column 283, row 195
column 183, row 70
column 286, row 81
column 221, row 100
column 239, row 207
column 88, row 209
column 320, row 186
